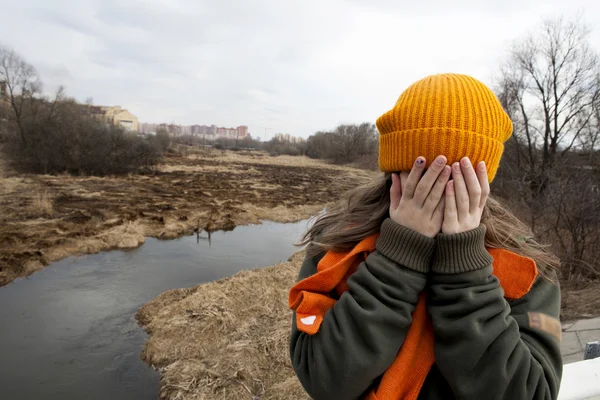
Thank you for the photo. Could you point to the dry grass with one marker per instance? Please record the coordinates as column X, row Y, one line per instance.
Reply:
column 200, row 169
column 282, row 213
column 10, row 185
column 226, row 339
column 42, row 203
column 46, row 218
column 262, row 158
column 4, row 170
column 580, row 300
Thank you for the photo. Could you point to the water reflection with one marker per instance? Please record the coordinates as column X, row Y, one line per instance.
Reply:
column 207, row 238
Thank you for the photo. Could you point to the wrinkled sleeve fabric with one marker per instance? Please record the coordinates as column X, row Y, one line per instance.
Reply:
column 484, row 344
column 362, row 333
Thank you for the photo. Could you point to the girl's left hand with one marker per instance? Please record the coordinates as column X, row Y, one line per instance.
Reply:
column 466, row 195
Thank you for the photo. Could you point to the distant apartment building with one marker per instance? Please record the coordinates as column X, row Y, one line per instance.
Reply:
column 195, row 130
column 148, row 128
column 214, row 132
column 121, row 117
column 174, row 130
column 242, row 131
column 227, row 133
column 204, row 131
column 115, row 115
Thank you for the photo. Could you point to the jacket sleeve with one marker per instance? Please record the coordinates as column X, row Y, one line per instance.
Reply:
column 361, row 334
column 484, row 346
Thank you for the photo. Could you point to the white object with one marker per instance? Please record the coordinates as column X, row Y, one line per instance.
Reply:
column 581, row 380
column 308, row 320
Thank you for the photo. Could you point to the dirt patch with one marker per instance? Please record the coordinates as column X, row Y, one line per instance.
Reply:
column 236, row 334
column 46, row 218
column 580, row 300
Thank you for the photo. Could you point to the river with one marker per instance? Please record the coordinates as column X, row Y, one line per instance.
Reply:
column 69, row 331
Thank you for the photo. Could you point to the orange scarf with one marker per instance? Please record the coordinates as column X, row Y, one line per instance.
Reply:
column 405, row 377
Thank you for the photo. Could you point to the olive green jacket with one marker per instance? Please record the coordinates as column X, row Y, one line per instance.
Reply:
column 485, row 347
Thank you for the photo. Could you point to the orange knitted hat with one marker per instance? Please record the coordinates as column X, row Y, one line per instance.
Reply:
column 448, row 114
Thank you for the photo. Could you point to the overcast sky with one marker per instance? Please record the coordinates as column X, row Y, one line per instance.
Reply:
column 291, row 66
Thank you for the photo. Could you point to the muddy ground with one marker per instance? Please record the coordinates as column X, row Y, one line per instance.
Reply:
column 46, row 218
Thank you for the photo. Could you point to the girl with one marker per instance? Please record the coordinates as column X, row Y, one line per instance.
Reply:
column 420, row 285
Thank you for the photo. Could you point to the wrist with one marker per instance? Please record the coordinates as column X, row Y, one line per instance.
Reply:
column 405, row 246
column 461, row 252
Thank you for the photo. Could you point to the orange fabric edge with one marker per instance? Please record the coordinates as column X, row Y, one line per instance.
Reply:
column 516, row 273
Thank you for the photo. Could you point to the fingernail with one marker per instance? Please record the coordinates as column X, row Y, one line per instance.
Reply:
column 420, row 161
column 481, row 165
column 465, row 162
column 451, row 185
column 440, row 160
column 446, row 170
column 456, row 167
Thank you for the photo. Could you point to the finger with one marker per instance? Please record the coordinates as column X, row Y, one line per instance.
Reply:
column 472, row 183
column 403, row 178
column 483, row 182
column 460, row 191
column 450, row 212
column 437, row 192
column 438, row 213
column 428, row 181
column 395, row 192
column 413, row 178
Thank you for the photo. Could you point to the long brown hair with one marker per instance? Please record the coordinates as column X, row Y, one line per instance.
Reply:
column 364, row 209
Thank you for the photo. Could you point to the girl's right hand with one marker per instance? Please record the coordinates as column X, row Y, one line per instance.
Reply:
column 418, row 202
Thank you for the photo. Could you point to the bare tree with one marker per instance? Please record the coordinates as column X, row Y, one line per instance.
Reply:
column 23, row 88
column 550, row 85
column 353, row 141
column 590, row 138
column 575, row 220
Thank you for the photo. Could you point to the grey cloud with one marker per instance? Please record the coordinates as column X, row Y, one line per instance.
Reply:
column 56, row 72
column 65, row 21
column 436, row 7
column 292, row 66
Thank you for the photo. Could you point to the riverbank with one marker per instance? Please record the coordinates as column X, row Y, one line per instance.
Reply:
column 229, row 339
column 226, row 339
column 47, row 218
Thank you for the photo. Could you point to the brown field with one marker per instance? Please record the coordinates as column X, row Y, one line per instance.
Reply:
column 47, row 218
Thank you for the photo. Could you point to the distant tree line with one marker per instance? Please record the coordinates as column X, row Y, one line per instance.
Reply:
column 53, row 135
column 346, row 144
